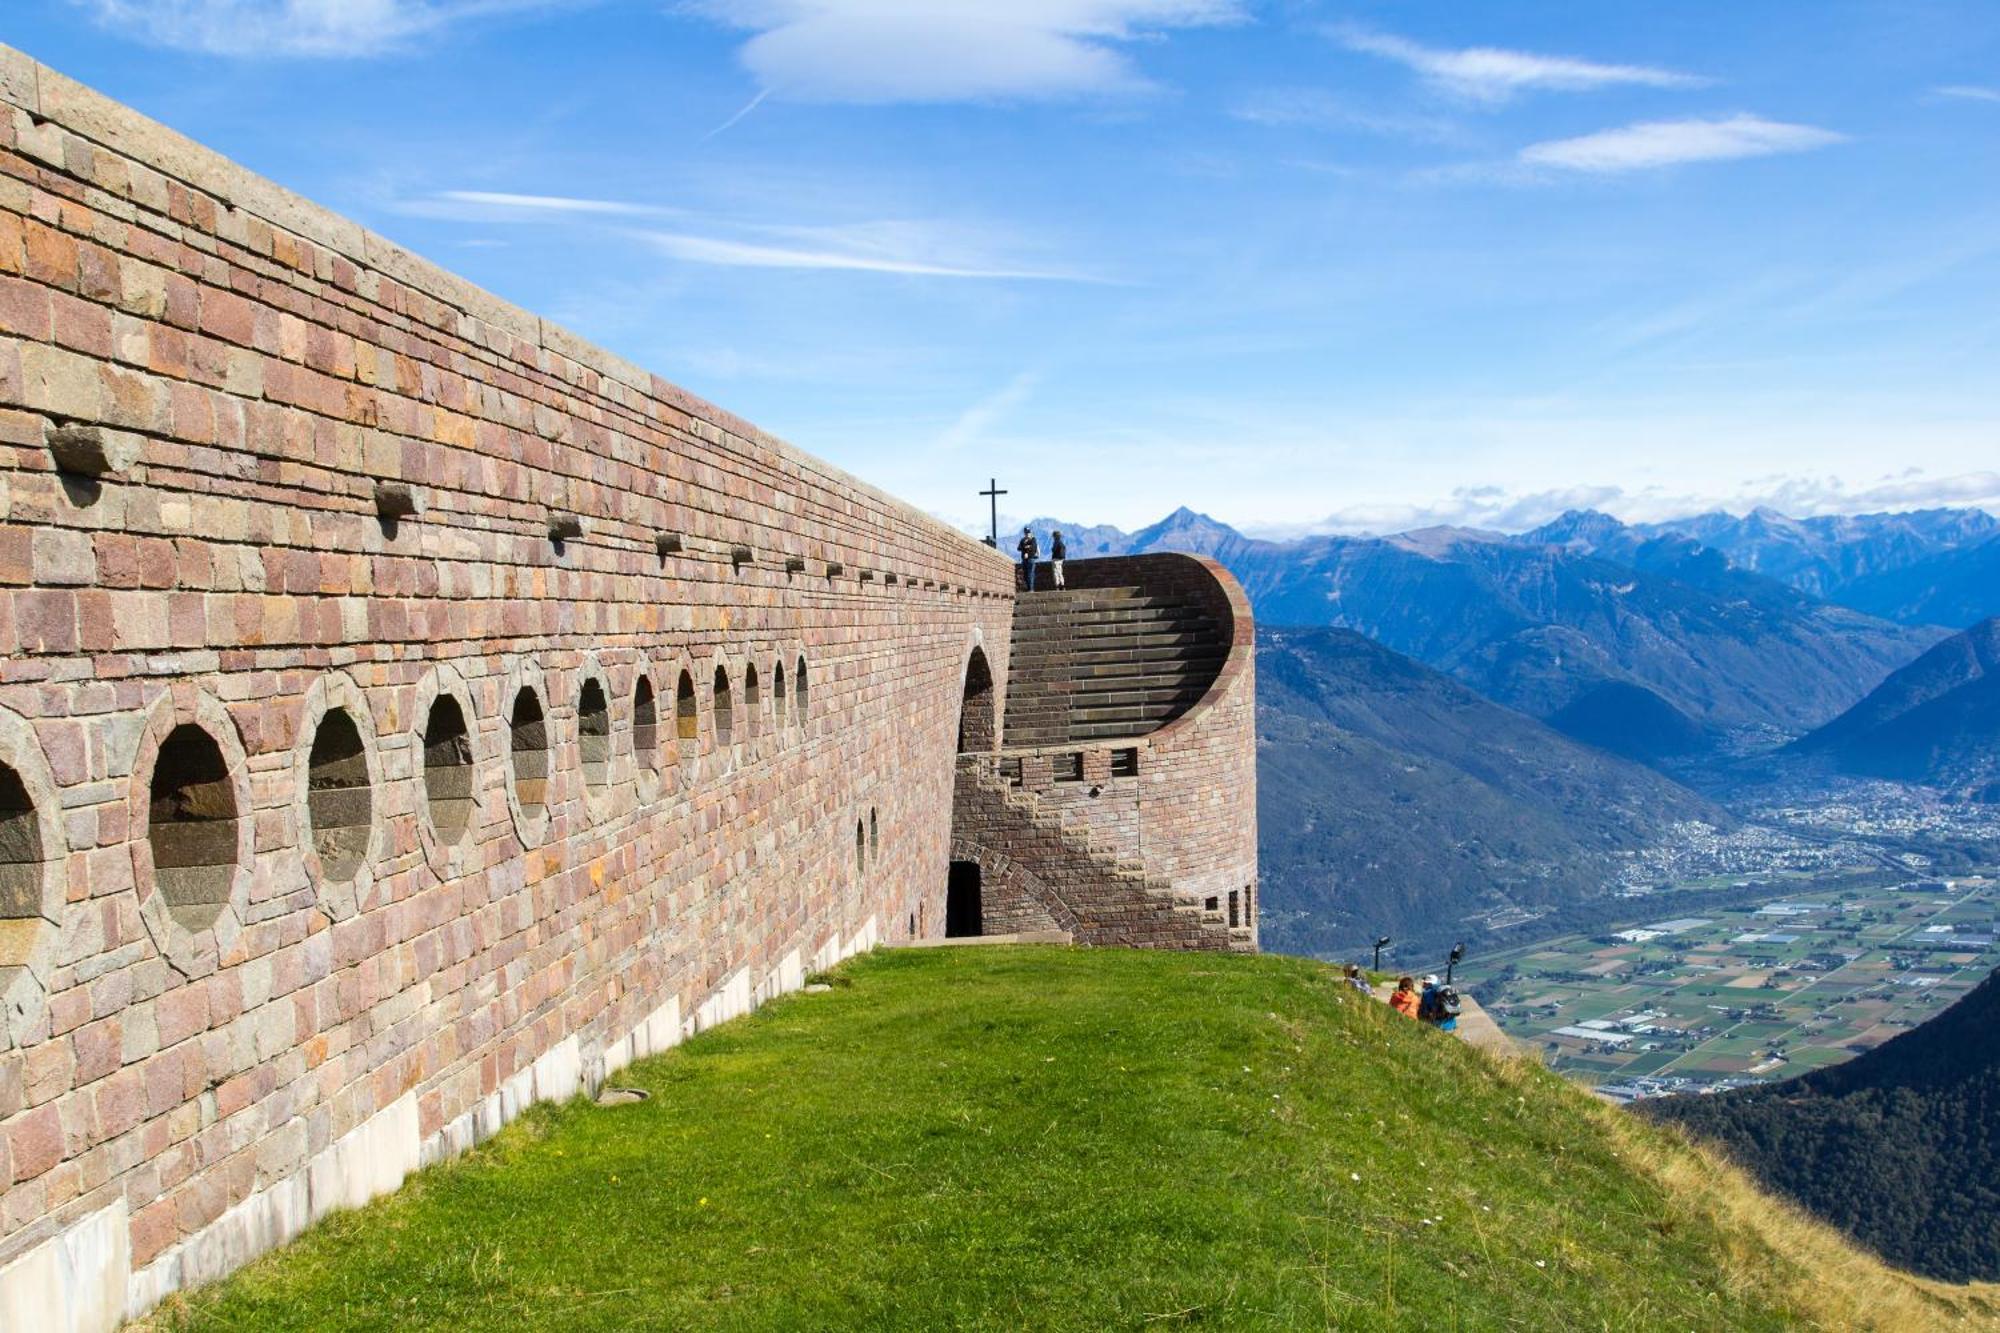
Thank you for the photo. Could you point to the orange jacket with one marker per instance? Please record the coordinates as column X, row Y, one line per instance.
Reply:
column 1404, row 1002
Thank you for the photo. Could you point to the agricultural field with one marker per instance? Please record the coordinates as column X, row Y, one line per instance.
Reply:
column 1823, row 969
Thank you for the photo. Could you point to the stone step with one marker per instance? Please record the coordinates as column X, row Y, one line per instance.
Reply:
column 1152, row 637
column 1041, row 693
column 1025, row 626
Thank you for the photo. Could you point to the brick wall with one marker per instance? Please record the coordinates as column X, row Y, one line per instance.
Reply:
column 272, row 930
column 1186, row 820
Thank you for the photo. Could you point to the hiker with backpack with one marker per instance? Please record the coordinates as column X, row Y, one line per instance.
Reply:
column 1438, row 1005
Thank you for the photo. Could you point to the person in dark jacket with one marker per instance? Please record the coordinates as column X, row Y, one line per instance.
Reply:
column 1056, row 553
column 1031, row 551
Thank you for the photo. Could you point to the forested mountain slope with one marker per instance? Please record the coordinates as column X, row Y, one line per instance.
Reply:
column 1900, row 1146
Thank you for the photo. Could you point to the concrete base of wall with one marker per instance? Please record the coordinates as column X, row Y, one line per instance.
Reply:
column 82, row 1281
column 1018, row 937
column 74, row 1280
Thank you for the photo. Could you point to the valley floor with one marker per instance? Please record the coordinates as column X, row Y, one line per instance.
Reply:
column 1810, row 972
column 1042, row 1137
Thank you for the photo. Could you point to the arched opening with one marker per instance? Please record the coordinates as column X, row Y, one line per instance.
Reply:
column 874, row 837
column 799, row 692
column 975, row 715
column 687, row 720
column 778, row 696
column 448, row 769
column 593, row 732
column 860, row 848
column 725, row 711
column 962, row 911
column 529, row 732
column 645, row 726
column 753, row 701
column 191, row 824
column 340, row 804
column 21, row 855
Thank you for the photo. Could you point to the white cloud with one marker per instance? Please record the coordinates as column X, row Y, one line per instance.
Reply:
column 540, row 204
column 293, row 27
column 909, row 247
column 1491, row 74
column 1662, row 143
column 1967, row 93
column 834, row 254
column 1316, row 108
column 940, row 51
column 971, row 425
column 1500, row 509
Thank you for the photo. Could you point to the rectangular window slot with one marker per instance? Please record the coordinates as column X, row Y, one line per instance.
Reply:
column 1125, row 763
column 1069, row 768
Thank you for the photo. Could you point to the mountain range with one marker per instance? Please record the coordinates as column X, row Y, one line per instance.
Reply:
column 1579, row 622
column 1936, row 721
column 1899, row 1146
column 1393, row 799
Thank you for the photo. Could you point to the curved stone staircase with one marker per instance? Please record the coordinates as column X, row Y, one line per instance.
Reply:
column 1077, row 881
column 1092, row 664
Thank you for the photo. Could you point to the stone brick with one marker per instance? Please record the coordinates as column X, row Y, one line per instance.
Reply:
column 35, row 1142
column 180, row 1013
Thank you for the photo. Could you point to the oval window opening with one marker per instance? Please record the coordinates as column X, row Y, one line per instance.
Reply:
column 530, row 741
column 753, row 701
column 687, row 721
column 593, row 732
column 339, row 801
column 191, row 824
column 799, row 692
column 645, row 726
column 725, row 712
column 21, row 856
column 448, row 769
column 778, row 695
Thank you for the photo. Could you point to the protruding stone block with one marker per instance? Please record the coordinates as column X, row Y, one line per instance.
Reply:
column 396, row 500
column 88, row 451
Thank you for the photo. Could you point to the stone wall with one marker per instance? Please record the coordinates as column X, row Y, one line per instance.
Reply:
column 1175, row 807
column 379, row 748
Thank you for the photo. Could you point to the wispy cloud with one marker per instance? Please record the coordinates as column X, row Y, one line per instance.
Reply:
column 1316, row 108
column 695, row 249
column 1665, row 143
column 1492, row 74
column 932, row 51
column 971, row 425
column 908, row 247
column 487, row 202
column 1965, row 92
column 309, row 28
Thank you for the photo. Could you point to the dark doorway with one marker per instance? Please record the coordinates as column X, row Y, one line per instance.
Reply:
column 961, row 901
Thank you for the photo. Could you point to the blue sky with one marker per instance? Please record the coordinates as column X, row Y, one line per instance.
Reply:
column 1300, row 265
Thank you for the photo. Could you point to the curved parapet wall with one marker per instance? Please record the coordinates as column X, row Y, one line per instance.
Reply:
column 407, row 711
column 1172, row 802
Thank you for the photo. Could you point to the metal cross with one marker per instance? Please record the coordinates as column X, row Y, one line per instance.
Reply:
column 993, row 493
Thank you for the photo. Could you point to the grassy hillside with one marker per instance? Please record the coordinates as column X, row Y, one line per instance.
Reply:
column 1049, row 1138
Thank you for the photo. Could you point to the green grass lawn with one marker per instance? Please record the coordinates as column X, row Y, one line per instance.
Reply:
column 1037, row 1138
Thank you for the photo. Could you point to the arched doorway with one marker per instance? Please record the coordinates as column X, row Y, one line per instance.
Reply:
column 962, row 910
column 975, row 717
